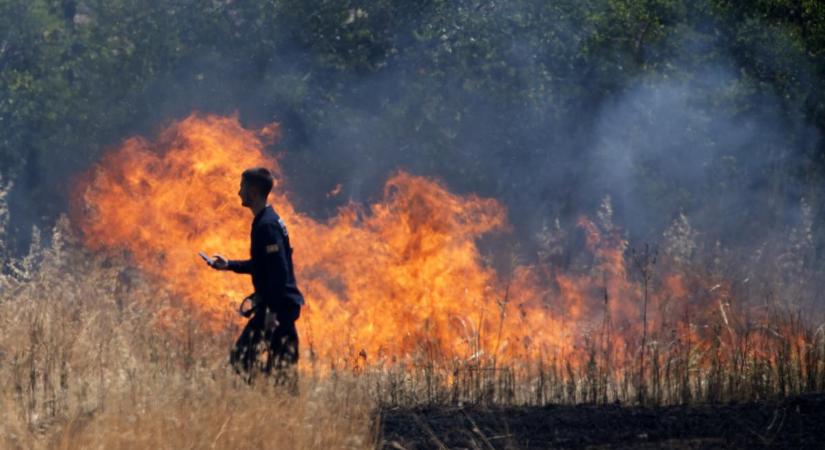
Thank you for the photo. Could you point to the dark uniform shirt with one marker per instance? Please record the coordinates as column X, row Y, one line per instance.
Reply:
column 271, row 263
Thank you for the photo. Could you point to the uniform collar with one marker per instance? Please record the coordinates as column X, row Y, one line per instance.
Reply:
column 261, row 213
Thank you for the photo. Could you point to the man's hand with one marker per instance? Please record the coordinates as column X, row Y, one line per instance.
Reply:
column 219, row 263
column 243, row 309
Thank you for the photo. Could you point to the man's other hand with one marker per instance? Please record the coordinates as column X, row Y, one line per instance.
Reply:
column 219, row 263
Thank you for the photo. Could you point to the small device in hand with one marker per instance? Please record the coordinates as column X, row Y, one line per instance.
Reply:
column 208, row 260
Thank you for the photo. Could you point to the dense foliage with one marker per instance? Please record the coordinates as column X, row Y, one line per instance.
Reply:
column 521, row 100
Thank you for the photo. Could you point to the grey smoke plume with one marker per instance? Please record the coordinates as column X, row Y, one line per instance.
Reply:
column 667, row 147
column 673, row 138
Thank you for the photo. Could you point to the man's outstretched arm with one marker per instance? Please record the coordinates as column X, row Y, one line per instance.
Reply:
column 237, row 266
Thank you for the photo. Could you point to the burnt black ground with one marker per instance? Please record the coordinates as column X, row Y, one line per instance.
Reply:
column 793, row 423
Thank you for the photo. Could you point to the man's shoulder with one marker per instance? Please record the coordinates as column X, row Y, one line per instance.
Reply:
column 268, row 215
column 270, row 219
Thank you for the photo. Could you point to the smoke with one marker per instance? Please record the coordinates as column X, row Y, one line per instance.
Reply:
column 695, row 137
column 667, row 147
column 545, row 124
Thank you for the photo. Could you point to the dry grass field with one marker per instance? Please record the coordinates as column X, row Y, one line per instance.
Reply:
column 81, row 367
column 92, row 355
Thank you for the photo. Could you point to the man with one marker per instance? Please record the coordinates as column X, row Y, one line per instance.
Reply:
column 277, row 301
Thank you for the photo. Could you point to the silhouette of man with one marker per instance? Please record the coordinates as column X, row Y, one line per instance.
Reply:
column 276, row 303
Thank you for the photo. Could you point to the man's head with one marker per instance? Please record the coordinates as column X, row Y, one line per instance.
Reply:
column 255, row 185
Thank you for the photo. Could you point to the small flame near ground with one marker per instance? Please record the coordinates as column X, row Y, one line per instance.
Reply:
column 392, row 281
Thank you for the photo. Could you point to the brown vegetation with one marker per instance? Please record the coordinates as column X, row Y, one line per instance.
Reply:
column 84, row 365
column 93, row 355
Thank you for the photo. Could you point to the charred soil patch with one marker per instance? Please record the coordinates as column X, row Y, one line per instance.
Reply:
column 797, row 422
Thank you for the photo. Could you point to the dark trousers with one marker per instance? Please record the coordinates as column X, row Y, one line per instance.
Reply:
column 280, row 344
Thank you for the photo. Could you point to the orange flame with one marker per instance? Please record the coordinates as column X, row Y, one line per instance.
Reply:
column 397, row 280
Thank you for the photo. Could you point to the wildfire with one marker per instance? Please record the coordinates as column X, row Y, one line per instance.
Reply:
column 392, row 281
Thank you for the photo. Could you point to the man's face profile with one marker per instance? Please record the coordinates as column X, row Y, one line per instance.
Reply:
column 245, row 193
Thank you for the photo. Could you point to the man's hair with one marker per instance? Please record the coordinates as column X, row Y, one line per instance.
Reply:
column 260, row 178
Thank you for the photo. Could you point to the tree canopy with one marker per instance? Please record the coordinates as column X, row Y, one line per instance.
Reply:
column 546, row 105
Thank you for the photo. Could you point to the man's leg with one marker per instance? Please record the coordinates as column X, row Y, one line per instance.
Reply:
column 283, row 346
column 243, row 356
column 282, row 354
column 283, row 357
